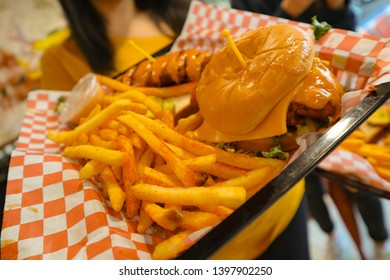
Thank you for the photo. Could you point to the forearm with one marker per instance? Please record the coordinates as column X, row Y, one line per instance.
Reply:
column 295, row 8
column 336, row 4
column 343, row 18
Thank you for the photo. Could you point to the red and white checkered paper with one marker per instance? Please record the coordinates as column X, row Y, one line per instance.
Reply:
column 51, row 214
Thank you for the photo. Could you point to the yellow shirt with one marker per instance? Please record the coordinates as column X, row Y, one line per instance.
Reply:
column 258, row 236
column 63, row 65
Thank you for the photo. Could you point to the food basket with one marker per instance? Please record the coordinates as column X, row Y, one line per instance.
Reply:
column 51, row 214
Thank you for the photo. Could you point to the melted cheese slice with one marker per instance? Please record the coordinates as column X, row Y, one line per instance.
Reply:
column 274, row 124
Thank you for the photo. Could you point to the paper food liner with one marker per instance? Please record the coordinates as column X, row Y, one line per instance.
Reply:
column 51, row 214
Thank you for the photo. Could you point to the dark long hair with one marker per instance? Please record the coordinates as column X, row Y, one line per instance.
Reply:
column 89, row 30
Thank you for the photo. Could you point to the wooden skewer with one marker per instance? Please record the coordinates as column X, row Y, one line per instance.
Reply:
column 141, row 50
column 226, row 34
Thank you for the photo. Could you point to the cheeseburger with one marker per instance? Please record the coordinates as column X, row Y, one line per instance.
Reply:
column 282, row 86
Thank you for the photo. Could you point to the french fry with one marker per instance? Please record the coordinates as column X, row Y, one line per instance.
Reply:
column 136, row 141
column 201, row 163
column 221, row 211
column 274, row 171
column 134, row 107
column 372, row 160
column 386, row 139
column 91, row 169
column 152, row 176
column 383, row 172
column 130, row 172
column 130, row 176
column 379, row 117
column 249, row 180
column 228, row 196
column 375, row 162
column 81, row 139
column 144, row 220
column 145, row 160
column 158, row 161
column 166, row 218
column 205, row 164
column 220, row 170
column 190, row 123
column 172, row 247
column 114, row 191
column 198, row 220
column 171, row 91
column 210, row 181
column 378, row 155
column 175, row 207
column 378, row 152
column 138, row 154
column 110, row 157
column 137, row 96
column 358, row 135
column 234, row 159
column 375, row 147
column 94, row 112
column 97, row 141
column 108, row 134
column 224, row 171
column 89, row 125
column 117, row 171
column 180, row 152
column 117, row 126
column 169, row 117
column 208, row 165
column 352, row 144
column 183, row 172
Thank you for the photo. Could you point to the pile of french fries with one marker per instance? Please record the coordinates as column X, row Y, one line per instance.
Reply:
column 153, row 171
column 372, row 141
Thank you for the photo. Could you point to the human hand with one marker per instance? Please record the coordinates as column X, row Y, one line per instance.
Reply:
column 335, row 4
column 296, row 7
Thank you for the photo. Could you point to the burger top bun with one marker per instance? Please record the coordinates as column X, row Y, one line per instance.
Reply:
column 235, row 99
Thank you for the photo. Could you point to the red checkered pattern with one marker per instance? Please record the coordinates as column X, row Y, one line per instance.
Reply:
column 38, row 120
column 354, row 166
column 51, row 214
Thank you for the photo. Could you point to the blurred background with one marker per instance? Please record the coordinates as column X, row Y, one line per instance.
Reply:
column 28, row 27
